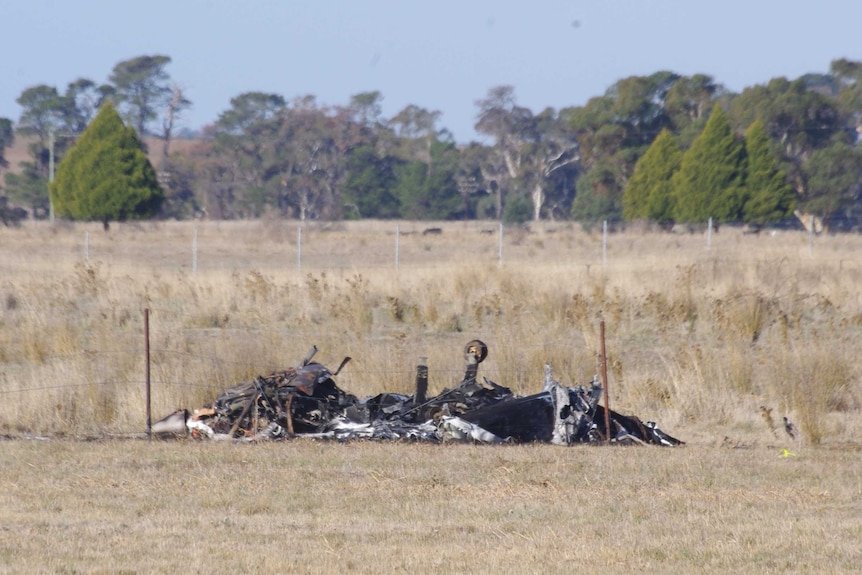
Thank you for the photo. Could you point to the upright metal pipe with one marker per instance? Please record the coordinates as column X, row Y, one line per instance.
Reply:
column 421, row 382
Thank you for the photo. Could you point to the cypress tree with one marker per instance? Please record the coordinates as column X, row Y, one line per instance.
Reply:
column 106, row 176
column 711, row 178
column 648, row 192
column 770, row 197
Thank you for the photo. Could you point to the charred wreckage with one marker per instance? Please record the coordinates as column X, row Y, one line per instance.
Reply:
column 304, row 401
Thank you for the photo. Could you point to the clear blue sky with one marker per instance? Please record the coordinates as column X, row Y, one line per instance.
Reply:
column 440, row 54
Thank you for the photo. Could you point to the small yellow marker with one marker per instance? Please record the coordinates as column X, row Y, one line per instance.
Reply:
column 786, row 453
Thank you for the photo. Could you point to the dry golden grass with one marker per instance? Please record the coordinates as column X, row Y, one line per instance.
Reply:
column 327, row 508
column 698, row 339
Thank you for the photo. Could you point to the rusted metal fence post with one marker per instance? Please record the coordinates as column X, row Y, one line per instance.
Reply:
column 605, row 381
column 287, row 415
column 147, row 370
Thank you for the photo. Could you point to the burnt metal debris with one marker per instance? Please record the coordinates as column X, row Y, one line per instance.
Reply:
column 305, row 401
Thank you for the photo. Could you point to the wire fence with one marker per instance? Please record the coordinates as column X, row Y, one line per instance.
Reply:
column 305, row 251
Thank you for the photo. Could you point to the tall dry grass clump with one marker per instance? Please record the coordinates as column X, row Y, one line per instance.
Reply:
column 695, row 336
column 813, row 381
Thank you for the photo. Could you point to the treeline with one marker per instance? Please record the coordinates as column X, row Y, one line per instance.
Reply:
column 663, row 148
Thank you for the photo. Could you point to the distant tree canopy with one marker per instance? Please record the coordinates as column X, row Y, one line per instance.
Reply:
column 27, row 189
column 7, row 137
column 106, row 175
column 663, row 147
column 140, row 86
column 832, row 175
column 367, row 191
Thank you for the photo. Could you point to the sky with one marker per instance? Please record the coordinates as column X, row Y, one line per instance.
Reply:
column 441, row 55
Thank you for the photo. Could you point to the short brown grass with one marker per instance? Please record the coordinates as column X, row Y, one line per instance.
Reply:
column 310, row 507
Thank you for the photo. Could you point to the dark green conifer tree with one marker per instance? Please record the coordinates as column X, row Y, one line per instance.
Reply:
column 770, row 197
column 648, row 192
column 711, row 180
column 106, row 175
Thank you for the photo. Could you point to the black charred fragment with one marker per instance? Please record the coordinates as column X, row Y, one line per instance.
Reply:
column 421, row 382
column 304, row 401
column 523, row 419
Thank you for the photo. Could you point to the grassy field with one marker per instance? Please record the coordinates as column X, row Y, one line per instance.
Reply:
column 699, row 338
column 326, row 508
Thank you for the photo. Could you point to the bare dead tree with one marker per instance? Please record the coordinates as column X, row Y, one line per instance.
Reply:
column 176, row 104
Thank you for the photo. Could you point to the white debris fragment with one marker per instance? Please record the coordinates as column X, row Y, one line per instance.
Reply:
column 457, row 428
column 197, row 425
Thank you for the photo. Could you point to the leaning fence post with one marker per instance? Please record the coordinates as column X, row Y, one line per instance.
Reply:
column 605, row 380
column 147, row 370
